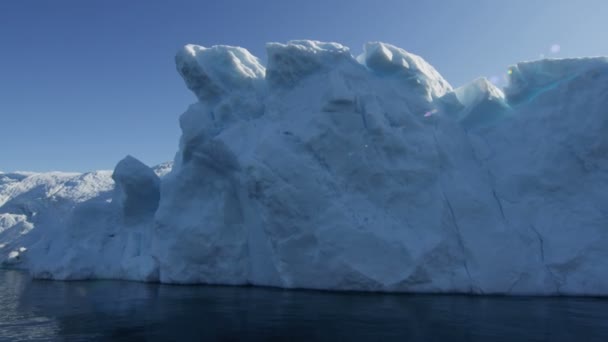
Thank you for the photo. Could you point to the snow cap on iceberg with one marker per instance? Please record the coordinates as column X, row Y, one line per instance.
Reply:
column 386, row 59
column 213, row 72
column 477, row 90
column 483, row 102
column 289, row 63
column 137, row 188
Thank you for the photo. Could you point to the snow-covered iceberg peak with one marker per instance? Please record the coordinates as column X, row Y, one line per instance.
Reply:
column 482, row 103
column 227, row 80
column 218, row 70
column 477, row 90
column 387, row 59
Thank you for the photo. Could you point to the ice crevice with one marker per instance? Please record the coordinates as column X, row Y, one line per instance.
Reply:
column 360, row 108
column 461, row 244
column 515, row 282
column 491, row 179
column 541, row 248
column 502, row 212
column 472, row 287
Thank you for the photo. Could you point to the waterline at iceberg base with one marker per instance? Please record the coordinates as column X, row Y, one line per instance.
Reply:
column 322, row 170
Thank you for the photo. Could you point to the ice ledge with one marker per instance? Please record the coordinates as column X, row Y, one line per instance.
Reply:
column 528, row 79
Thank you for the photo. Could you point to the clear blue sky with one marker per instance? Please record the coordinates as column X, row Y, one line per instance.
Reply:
column 83, row 83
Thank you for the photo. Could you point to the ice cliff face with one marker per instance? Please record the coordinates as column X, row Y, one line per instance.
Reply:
column 326, row 171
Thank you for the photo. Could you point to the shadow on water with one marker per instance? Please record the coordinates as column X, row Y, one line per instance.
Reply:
column 115, row 310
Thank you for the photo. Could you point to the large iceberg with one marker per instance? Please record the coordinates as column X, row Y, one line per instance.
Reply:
column 323, row 170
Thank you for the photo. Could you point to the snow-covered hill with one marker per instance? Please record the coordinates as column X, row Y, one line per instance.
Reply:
column 46, row 201
column 328, row 171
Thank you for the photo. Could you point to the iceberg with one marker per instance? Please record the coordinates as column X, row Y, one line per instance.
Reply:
column 322, row 170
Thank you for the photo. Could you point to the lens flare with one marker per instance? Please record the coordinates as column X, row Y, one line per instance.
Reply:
column 430, row 112
column 555, row 48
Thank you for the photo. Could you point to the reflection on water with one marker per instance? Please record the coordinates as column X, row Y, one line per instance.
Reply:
column 114, row 310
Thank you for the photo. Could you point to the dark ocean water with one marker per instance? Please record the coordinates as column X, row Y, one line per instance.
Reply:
column 115, row 311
